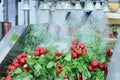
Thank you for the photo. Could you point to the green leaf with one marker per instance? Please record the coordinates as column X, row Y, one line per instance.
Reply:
column 50, row 65
column 68, row 57
column 42, row 60
column 18, row 71
column 30, row 61
column 37, row 67
column 80, row 67
column 23, row 76
column 14, row 37
column 62, row 75
column 50, row 56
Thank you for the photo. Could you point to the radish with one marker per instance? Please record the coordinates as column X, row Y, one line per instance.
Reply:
column 22, row 61
column 8, row 78
column 9, row 67
column 73, row 47
column 102, row 66
column 24, row 54
column 82, row 45
column 79, row 52
column 74, row 55
column 56, row 53
column 12, row 68
column 65, row 77
column 95, row 64
column 59, row 65
column 16, row 61
column 37, row 53
column 90, row 68
column 42, row 51
column 110, row 53
column 84, row 51
column 16, row 64
column 19, row 57
column 25, row 69
column 37, row 48
column 58, row 70
column 74, row 42
column 107, row 50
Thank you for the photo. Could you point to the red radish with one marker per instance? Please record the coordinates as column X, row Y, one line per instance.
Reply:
column 107, row 50
column 82, row 45
column 22, row 61
column 37, row 53
column 58, row 70
column 9, row 67
column 73, row 47
column 60, row 54
column 16, row 64
column 102, row 66
column 25, row 69
column 12, row 68
column 8, row 78
column 65, row 77
column 24, row 54
column 42, row 51
column 79, row 52
column 74, row 42
column 74, row 55
column 110, row 54
column 106, row 67
column 90, row 68
column 95, row 64
column 19, row 57
column 16, row 61
column 84, row 51
column 56, row 53
column 37, row 48
column 60, row 65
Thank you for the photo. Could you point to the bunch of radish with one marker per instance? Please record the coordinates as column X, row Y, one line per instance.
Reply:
column 40, row 51
column 77, row 49
column 19, row 61
column 95, row 64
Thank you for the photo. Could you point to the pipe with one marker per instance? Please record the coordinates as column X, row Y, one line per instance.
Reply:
column 26, row 9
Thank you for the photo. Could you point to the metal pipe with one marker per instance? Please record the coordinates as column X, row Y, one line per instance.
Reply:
column 26, row 9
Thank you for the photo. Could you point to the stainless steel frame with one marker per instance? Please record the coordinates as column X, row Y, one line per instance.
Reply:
column 8, row 50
